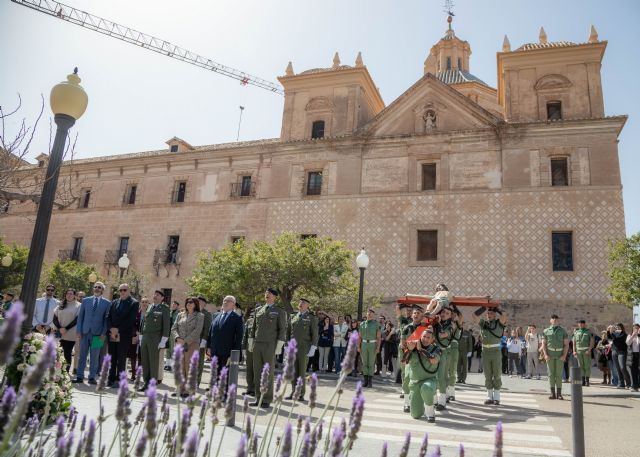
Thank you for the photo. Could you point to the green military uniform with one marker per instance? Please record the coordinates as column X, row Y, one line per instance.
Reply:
column 444, row 332
column 369, row 333
column 304, row 328
column 156, row 325
column 491, row 333
column 248, row 328
column 555, row 335
column 452, row 361
column 270, row 327
column 582, row 347
column 208, row 318
column 423, row 380
column 406, row 330
column 465, row 345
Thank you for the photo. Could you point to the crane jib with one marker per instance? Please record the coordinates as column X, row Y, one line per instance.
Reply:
column 129, row 35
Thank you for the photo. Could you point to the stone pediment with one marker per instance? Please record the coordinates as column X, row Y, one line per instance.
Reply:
column 429, row 106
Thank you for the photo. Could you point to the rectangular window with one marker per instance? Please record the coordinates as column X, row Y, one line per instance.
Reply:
column 167, row 295
column 459, row 64
column 123, row 246
column 554, row 111
column 77, row 249
column 84, row 200
column 180, row 192
column 317, row 129
column 245, row 188
column 448, row 63
column 559, row 172
column 174, row 148
column 562, row 251
column 237, row 238
column 130, row 194
column 427, row 245
column 314, row 183
column 428, row 176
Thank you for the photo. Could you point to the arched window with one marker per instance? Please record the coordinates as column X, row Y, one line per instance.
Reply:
column 317, row 129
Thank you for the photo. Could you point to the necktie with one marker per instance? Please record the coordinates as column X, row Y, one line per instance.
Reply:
column 224, row 318
column 46, row 311
column 95, row 303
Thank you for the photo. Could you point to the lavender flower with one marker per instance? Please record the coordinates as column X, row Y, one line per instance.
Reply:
column 90, row 436
column 319, row 429
column 299, row 424
column 343, row 426
column 278, row 383
column 498, row 442
column 121, row 403
column 61, row 447
column 59, row 427
column 306, row 445
column 349, row 360
column 254, row 444
column 290, row 353
column 461, row 453
column 383, row 452
column 336, row 442
column 104, row 373
column 264, row 379
column 33, row 424
column 141, row 414
column 6, row 405
column 191, row 445
column 178, row 363
column 230, row 405
column 214, row 371
column 184, row 425
column 315, row 438
column 297, row 391
column 355, row 421
column 83, row 422
column 247, row 429
column 33, row 377
column 285, row 449
column 405, row 446
column 307, row 424
column 222, row 386
column 313, row 390
column 192, row 379
column 437, row 452
column 424, row 445
column 242, row 446
column 139, row 382
column 359, row 388
column 245, row 404
column 151, row 423
column 141, row 446
column 10, row 331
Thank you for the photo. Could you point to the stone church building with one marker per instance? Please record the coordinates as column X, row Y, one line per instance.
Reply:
column 511, row 191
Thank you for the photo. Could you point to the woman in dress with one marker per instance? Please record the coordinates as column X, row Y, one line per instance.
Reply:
column 65, row 318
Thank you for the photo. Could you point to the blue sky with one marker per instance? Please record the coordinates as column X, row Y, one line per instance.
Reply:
column 138, row 99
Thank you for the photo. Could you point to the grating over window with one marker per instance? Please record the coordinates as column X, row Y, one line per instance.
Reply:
column 86, row 197
column 314, row 183
column 562, row 251
column 559, row 172
column 428, row 176
column 245, row 189
column 123, row 247
column 427, row 245
column 130, row 197
column 77, row 249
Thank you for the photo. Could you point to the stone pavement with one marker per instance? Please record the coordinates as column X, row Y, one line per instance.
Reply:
column 533, row 425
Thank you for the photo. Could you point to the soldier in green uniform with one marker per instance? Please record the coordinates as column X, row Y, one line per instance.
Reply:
column 249, row 319
column 155, row 334
column 370, row 337
column 423, row 358
column 452, row 360
column 208, row 318
column 465, row 347
column 407, row 329
column 583, row 343
column 403, row 319
column 303, row 326
column 267, row 339
column 444, row 331
column 555, row 346
column 491, row 330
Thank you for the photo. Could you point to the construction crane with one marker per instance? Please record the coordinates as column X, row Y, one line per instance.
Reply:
column 135, row 37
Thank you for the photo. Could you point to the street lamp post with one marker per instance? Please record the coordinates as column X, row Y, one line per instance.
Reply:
column 362, row 261
column 7, row 260
column 123, row 263
column 68, row 102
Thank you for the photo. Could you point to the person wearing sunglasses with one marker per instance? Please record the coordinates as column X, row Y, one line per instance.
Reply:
column 43, row 313
column 121, row 322
column 92, row 328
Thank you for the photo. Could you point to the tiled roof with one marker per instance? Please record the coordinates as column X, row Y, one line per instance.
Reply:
column 458, row 76
column 321, row 70
column 554, row 44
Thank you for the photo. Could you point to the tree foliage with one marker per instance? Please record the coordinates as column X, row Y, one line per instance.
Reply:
column 624, row 270
column 320, row 269
column 138, row 282
column 69, row 274
column 11, row 277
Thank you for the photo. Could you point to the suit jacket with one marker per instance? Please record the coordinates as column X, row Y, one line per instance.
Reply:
column 227, row 336
column 188, row 327
column 93, row 322
column 122, row 315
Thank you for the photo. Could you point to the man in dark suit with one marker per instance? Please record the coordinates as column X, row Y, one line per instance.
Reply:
column 121, row 323
column 225, row 333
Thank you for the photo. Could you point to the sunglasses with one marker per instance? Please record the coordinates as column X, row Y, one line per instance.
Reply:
column 97, row 287
column 50, row 290
column 123, row 290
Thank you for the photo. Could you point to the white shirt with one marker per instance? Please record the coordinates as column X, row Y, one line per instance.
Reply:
column 533, row 342
column 339, row 333
column 514, row 345
column 39, row 317
column 633, row 343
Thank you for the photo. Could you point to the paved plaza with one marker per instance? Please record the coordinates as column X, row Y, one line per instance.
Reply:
column 533, row 425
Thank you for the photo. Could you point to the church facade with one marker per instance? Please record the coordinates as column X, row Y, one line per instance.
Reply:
column 511, row 191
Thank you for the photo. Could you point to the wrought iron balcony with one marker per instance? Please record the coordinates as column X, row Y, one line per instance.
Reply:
column 242, row 191
column 71, row 254
column 166, row 258
column 111, row 256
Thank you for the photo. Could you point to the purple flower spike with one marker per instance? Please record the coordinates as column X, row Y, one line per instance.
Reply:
column 178, row 364
column 405, row 446
column 384, row 451
column 297, row 391
column 355, row 421
column 191, row 445
column 285, row 449
column 359, row 388
column 242, row 446
column 278, row 383
column 437, row 452
column 192, row 379
column 34, row 376
column 461, row 454
column 247, row 429
column 424, row 445
column 319, row 429
column 104, row 373
column 349, row 360
column 230, row 405
column 306, row 446
column 10, row 332
column 214, row 371
column 313, row 390
column 121, row 403
column 264, row 379
column 61, row 447
column 290, row 353
column 151, row 422
column 141, row 446
column 336, row 442
column 498, row 442
column 245, row 404
column 91, row 433
column 222, row 385
column 59, row 427
column 7, row 405
column 315, row 438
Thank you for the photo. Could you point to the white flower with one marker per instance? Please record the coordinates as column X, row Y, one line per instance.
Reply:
column 32, row 348
column 21, row 366
column 32, row 359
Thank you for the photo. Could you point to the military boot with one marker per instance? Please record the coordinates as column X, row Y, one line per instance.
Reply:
column 584, row 381
column 371, row 382
column 560, row 397
column 588, row 383
column 553, row 394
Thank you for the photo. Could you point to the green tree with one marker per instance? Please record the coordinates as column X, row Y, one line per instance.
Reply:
column 69, row 274
column 11, row 277
column 624, row 270
column 320, row 268
column 137, row 281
